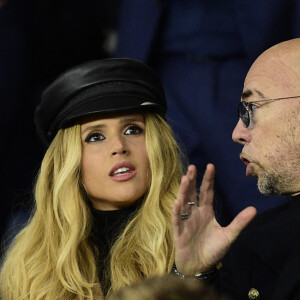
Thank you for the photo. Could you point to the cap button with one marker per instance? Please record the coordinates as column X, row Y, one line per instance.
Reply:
column 253, row 294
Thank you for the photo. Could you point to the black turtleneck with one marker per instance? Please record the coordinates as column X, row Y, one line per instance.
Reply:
column 108, row 225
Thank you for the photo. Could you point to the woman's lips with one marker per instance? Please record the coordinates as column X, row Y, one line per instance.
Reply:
column 122, row 172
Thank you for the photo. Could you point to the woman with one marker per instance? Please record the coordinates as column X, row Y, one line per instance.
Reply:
column 105, row 190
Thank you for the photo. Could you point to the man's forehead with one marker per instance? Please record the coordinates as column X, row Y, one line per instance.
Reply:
column 274, row 74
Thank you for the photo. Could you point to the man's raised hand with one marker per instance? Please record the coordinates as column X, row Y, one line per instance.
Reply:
column 200, row 242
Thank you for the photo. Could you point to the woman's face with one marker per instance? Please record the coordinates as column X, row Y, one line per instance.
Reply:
column 115, row 165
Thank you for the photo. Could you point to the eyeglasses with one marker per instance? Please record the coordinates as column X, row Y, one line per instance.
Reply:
column 245, row 109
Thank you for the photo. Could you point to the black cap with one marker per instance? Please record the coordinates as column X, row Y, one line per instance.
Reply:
column 107, row 85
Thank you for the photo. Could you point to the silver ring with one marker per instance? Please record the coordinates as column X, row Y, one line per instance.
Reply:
column 185, row 216
column 191, row 203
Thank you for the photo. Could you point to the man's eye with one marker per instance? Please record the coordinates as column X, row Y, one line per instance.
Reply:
column 94, row 137
column 252, row 107
column 133, row 129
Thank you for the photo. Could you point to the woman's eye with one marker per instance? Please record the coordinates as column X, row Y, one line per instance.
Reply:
column 133, row 129
column 94, row 137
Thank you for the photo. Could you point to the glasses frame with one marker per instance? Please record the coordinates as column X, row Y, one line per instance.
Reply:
column 249, row 108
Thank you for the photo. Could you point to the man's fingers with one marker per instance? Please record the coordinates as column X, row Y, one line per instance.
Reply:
column 240, row 222
column 183, row 190
column 187, row 189
column 190, row 176
column 186, row 194
column 191, row 173
column 207, row 185
column 176, row 216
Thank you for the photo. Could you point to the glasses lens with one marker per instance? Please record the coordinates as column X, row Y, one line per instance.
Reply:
column 243, row 113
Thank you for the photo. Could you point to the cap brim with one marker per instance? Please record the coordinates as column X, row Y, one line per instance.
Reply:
column 113, row 103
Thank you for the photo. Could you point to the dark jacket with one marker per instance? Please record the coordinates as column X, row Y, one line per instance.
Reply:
column 266, row 256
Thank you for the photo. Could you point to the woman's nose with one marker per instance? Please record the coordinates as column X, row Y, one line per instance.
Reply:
column 241, row 134
column 119, row 146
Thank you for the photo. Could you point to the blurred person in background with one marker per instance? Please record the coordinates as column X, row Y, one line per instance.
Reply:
column 202, row 51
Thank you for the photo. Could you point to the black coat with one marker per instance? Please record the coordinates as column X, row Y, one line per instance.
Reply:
column 266, row 257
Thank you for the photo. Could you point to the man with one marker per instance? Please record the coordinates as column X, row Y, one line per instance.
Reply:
column 264, row 262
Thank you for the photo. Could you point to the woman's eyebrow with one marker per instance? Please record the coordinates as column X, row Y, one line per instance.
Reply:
column 95, row 127
column 129, row 120
column 122, row 121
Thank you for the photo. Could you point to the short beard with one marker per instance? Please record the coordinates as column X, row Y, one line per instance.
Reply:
column 274, row 184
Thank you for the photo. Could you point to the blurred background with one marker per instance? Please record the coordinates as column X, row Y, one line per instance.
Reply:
column 201, row 49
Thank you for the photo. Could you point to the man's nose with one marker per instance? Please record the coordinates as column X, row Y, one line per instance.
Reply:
column 118, row 145
column 241, row 134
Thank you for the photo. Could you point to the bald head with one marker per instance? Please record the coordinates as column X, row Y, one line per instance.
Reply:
column 288, row 51
column 276, row 71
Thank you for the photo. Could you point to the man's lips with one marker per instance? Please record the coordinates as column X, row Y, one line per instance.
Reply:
column 122, row 171
column 245, row 160
column 249, row 164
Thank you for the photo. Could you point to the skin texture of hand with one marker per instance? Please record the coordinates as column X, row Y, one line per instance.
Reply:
column 200, row 242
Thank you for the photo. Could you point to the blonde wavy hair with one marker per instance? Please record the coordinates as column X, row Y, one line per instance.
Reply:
column 53, row 257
